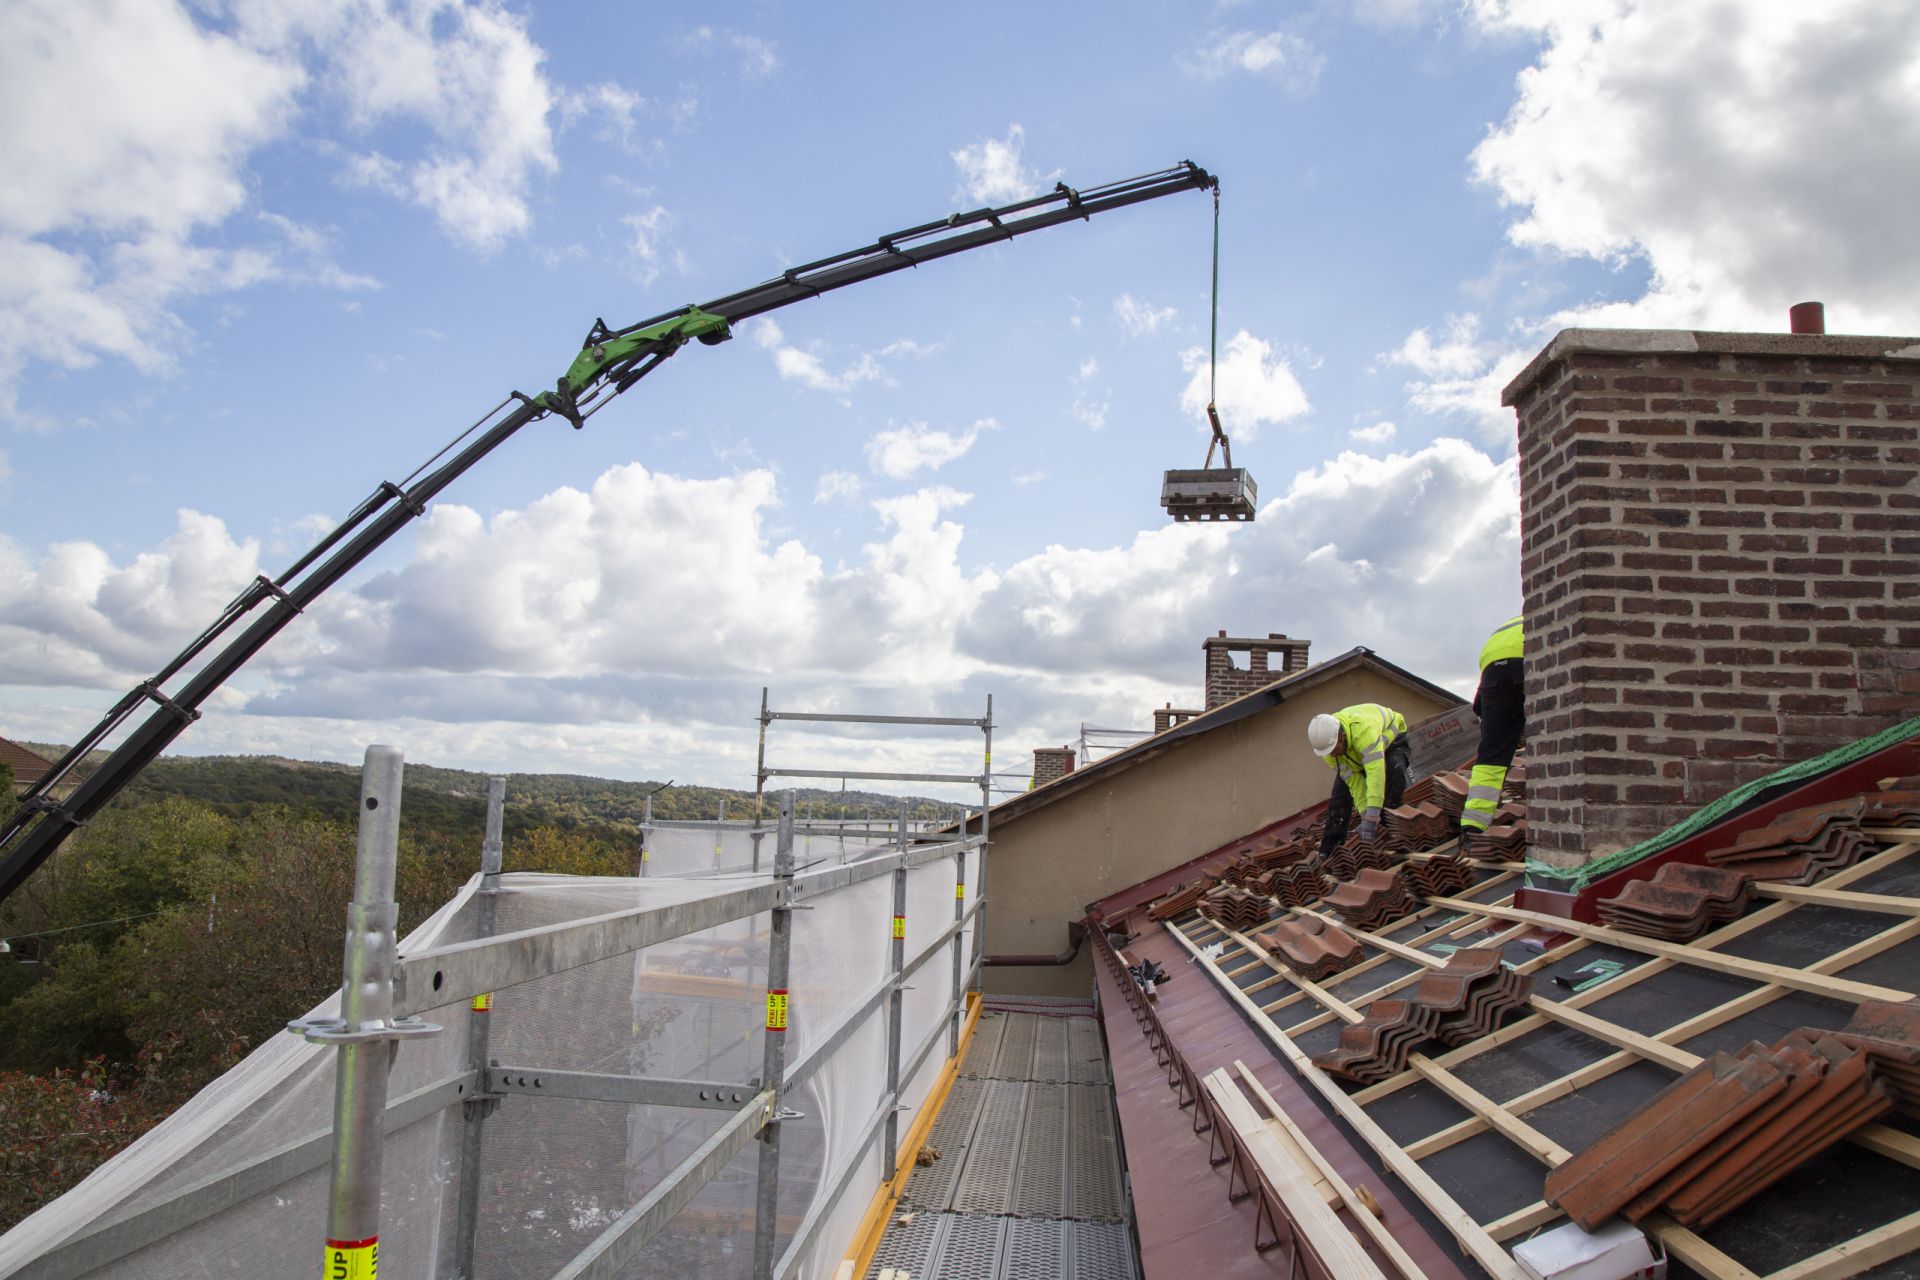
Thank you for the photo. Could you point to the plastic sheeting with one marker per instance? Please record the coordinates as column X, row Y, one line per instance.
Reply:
column 554, row 1172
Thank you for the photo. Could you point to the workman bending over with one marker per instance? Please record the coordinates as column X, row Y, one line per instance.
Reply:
column 1501, row 704
column 1366, row 746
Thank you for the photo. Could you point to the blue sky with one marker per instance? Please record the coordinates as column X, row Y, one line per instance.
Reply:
column 257, row 256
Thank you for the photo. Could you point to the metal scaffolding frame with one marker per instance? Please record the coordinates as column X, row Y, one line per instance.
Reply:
column 383, row 992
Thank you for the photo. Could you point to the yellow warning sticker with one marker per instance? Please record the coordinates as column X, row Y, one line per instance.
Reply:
column 351, row 1260
column 482, row 1003
column 899, row 927
column 776, row 1010
column 960, row 891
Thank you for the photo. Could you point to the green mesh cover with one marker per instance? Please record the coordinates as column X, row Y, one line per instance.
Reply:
column 1573, row 879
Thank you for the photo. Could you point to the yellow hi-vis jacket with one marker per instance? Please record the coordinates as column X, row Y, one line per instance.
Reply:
column 1510, row 641
column 1371, row 729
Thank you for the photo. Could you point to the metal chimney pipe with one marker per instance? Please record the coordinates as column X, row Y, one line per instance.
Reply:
column 1807, row 317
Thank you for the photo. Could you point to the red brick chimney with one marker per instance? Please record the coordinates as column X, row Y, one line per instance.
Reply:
column 1718, row 540
column 1050, row 763
column 1225, row 681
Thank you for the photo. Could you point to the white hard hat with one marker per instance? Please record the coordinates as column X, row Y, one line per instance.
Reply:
column 1323, row 734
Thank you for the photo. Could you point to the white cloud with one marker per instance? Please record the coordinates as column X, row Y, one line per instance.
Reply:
column 1137, row 317
column 1458, row 351
column 645, row 613
column 1088, row 368
column 795, row 364
column 838, row 486
column 992, row 171
column 900, row 452
column 1091, row 414
column 1378, row 433
column 1024, row 478
column 1278, row 55
column 1255, row 387
column 647, row 233
column 759, row 58
column 1729, row 162
column 106, row 218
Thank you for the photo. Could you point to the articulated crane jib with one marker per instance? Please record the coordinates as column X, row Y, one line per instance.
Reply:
column 610, row 361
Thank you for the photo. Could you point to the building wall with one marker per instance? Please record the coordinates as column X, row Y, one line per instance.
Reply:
column 1719, row 536
column 1046, row 865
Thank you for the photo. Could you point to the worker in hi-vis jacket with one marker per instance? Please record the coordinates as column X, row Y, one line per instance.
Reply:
column 1366, row 746
column 1501, row 704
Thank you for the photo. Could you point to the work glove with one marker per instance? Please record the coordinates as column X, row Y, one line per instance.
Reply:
column 1369, row 828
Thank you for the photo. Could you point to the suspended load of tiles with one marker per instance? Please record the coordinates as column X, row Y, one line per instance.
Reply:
column 1464, row 999
column 1679, row 903
column 1739, row 1122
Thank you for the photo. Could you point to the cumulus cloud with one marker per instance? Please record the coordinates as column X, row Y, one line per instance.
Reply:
column 1677, row 140
column 1280, row 56
column 1410, row 554
column 1378, row 433
column 107, row 221
column 757, row 58
column 647, row 234
column 993, row 170
column 1137, row 317
column 904, row 451
column 1256, row 387
column 650, row 608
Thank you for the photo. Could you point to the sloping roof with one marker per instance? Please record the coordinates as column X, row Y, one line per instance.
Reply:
column 1283, row 689
column 28, row 766
column 1462, row 1139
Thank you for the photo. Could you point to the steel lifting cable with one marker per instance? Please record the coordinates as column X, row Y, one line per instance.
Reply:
column 1213, row 350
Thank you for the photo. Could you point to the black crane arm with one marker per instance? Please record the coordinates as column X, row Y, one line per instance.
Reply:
column 610, row 361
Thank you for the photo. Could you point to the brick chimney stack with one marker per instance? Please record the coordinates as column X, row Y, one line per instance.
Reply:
column 1225, row 681
column 1718, row 540
column 1050, row 763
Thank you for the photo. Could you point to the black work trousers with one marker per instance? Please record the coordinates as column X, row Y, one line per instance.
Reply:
column 1340, row 804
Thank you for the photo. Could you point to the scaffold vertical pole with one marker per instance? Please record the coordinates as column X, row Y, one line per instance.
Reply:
column 897, row 959
column 959, row 1004
column 366, row 997
column 646, row 834
column 986, row 818
column 475, row 1110
column 766, row 1219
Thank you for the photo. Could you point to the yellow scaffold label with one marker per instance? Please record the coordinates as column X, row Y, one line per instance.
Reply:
column 899, row 927
column 351, row 1259
column 482, row 1003
column 776, row 1011
column 960, row 891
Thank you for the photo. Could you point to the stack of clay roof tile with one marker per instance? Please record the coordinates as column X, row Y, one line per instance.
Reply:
column 1311, row 947
column 1286, row 852
column 1506, row 835
column 1896, row 804
column 1804, row 845
column 1439, row 876
column 1297, row 885
column 1889, row 1034
column 1419, row 792
column 1182, row 900
column 1418, row 826
column 1344, row 863
column 1373, row 899
column 1679, row 902
column 1377, row 1046
column 1236, row 908
column 1471, row 993
column 1723, row 1132
column 1450, row 793
column 1242, row 871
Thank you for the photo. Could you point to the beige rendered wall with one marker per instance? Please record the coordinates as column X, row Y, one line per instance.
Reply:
column 1045, row 866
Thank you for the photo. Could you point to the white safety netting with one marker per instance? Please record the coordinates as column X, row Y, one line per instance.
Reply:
column 554, row 1173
